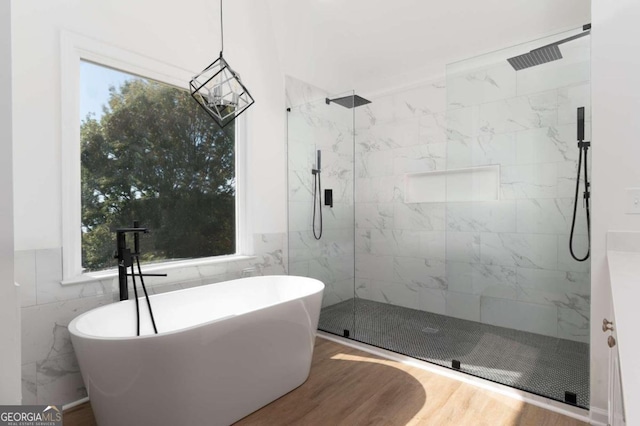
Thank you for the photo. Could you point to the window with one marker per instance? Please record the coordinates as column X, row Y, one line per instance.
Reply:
column 136, row 146
column 149, row 153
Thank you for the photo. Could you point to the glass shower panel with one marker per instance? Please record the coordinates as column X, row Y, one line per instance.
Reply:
column 512, row 159
column 400, row 242
column 320, row 203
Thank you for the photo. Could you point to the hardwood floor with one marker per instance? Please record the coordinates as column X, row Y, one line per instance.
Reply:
column 350, row 387
column 82, row 415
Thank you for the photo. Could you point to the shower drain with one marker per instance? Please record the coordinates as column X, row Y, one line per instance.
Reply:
column 430, row 330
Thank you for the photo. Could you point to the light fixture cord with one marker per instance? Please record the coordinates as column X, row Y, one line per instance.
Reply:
column 221, row 31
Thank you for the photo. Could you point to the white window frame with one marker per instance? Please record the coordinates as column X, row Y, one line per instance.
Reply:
column 73, row 49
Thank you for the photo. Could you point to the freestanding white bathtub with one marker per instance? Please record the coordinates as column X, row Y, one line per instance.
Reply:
column 223, row 351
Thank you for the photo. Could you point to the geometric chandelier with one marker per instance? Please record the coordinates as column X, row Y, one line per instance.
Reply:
column 219, row 90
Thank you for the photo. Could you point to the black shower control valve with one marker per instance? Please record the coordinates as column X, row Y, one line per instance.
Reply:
column 328, row 197
column 584, row 144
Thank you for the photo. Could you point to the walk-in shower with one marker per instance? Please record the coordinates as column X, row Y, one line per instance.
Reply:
column 449, row 236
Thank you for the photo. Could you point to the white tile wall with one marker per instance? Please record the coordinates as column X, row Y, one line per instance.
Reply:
column 419, row 216
column 374, row 267
column 552, row 75
column 525, row 250
column 383, row 189
column 483, row 149
column 529, row 181
column 567, row 173
column 388, row 136
column 520, row 113
column 463, row 305
column 25, row 275
column 401, row 295
column 432, row 300
column 518, row 315
column 374, row 215
column 572, row 97
column 482, row 280
column 29, row 384
column 485, row 216
column 549, row 216
column 59, row 381
column 419, row 158
column 506, row 262
column 573, row 324
column 580, row 248
column 432, row 128
column 419, row 272
column 462, row 246
column 371, row 164
column 481, row 86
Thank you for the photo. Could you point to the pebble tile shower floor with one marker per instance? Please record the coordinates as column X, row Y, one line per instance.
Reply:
column 539, row 364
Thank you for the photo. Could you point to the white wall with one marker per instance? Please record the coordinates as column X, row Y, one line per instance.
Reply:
column 366, row 45
column 616, row 156
column 185, row 35
column 9, row 302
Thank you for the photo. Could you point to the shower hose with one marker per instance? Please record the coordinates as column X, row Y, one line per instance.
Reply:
column 584, row 147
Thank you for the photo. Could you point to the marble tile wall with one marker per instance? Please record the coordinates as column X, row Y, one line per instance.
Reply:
column 503, row 262
column 313, row 125
column 401, row 248
column 50, row 372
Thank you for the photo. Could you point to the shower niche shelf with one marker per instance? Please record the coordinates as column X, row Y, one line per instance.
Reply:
column 468, row 184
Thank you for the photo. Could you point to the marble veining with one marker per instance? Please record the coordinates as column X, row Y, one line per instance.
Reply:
column 499, row 216
column 420, row 272
column 525, row 250
column 432, row 128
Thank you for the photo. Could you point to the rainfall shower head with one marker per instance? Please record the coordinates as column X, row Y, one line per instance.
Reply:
column 350, row 101
column 536, row 57
column 542, row 55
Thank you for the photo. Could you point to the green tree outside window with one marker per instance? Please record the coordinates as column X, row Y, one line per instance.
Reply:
column 155, row 157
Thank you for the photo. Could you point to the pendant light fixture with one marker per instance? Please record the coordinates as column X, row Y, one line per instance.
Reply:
column 219, row 90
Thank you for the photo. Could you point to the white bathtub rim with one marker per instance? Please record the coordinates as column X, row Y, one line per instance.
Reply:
column 73, row 329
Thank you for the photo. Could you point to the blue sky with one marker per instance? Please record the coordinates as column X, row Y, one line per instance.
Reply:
column 95, row 81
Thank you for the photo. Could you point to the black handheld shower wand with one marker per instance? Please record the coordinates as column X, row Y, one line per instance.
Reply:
column 583, row 146
column 317, row 195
